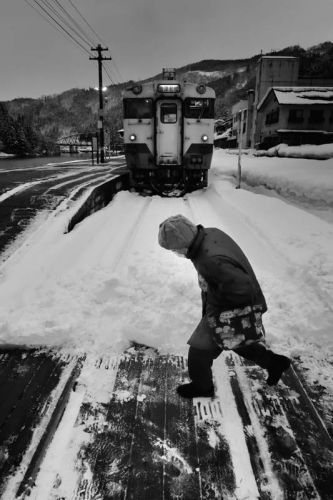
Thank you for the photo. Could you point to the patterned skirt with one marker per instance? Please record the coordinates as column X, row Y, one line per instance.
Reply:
column 237, row 327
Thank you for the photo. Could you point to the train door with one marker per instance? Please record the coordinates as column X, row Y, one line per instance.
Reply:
column 168, row 132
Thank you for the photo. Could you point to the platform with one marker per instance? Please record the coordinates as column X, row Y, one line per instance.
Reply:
column 81, row 427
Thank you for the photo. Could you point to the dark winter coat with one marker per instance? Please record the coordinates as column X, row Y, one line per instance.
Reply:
column 231, row 282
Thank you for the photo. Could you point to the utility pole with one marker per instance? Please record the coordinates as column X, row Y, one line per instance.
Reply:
column 99, row 49
column 240, row 144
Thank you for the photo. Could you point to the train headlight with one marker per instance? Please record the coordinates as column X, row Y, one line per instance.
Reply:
column 137, row 89
column 201, row 89
column 132, row 137
column 204, row 138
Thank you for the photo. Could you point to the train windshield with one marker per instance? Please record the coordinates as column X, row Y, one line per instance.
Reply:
column 138, row 108
column 169, row 112
column 199, row 108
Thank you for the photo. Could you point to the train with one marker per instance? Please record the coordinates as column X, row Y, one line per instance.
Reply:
column 168, row 134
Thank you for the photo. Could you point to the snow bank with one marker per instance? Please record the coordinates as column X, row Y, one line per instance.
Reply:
column 298, row 179
column 308, row 151
column 103, row 285
column 5, row 155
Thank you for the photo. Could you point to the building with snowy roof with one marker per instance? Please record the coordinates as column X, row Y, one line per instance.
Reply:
column 283, row 72
column 295, row 115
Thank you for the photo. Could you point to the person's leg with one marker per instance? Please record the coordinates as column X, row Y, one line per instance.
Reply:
column 257, row 353
column 200, row 372
column 275, row 364
column 200, row 366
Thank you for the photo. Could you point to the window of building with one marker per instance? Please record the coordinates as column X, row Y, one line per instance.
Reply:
column 199, row 108
column 296, row 116
column 316, row 116
column 168, row 112
column 138, row 108
column 273, row 116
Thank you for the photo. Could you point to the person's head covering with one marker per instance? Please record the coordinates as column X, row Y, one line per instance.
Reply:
column 177, row 232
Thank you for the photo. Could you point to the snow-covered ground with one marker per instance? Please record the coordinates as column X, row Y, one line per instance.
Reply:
column 306, row 183
column 108, row 282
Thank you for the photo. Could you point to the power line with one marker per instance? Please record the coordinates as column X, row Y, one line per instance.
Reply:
column 79, row 27
column 55, row 27
column 64, row 21
column 66, row 24
column 61, row 27
column 117, row 70
column 110, row 77
column 96, row 34
column 85, row 20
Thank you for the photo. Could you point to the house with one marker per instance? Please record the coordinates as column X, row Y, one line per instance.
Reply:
column 278, row 72
column 271, row 71
column 295, row 115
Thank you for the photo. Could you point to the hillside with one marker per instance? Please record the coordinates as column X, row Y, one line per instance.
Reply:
column 75, row 111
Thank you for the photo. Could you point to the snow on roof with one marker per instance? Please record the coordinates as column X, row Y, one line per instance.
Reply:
column 279, row 57
column 303, row 131
column 300, row 95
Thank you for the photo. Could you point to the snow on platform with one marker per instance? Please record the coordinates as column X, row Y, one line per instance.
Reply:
column 108, row 423
column 131, row 436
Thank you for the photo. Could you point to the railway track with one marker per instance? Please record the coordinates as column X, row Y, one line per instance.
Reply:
column 47, row 187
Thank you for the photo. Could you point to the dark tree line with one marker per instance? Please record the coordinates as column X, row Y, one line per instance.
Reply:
column 17, row 135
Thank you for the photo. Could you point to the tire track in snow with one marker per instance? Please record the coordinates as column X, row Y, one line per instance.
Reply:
column 100, row 176
column 130, row 236
column 76, row 175
column 11, row 192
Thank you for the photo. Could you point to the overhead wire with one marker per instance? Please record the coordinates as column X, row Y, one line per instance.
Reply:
column 110, row 77
column 95, row 33
column 85, row 20
column 62, row 19
column 117, row 69
column 60, row 25
column 64, row 22
column 78, row 26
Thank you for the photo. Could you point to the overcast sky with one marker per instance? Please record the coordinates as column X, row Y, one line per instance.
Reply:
column 145, row 35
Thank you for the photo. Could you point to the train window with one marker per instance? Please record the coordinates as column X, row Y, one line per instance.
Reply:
column 168, row 112
column 138, row 108
column 199, row 108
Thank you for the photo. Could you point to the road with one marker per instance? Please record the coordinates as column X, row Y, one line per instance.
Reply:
column 28, row 192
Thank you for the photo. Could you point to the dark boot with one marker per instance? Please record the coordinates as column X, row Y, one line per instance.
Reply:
column 277, row 366
column 191, row 391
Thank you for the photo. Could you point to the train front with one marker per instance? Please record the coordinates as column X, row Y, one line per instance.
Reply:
column 168, row 135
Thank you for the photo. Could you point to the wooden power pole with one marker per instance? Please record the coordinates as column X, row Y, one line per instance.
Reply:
column 99, row 49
